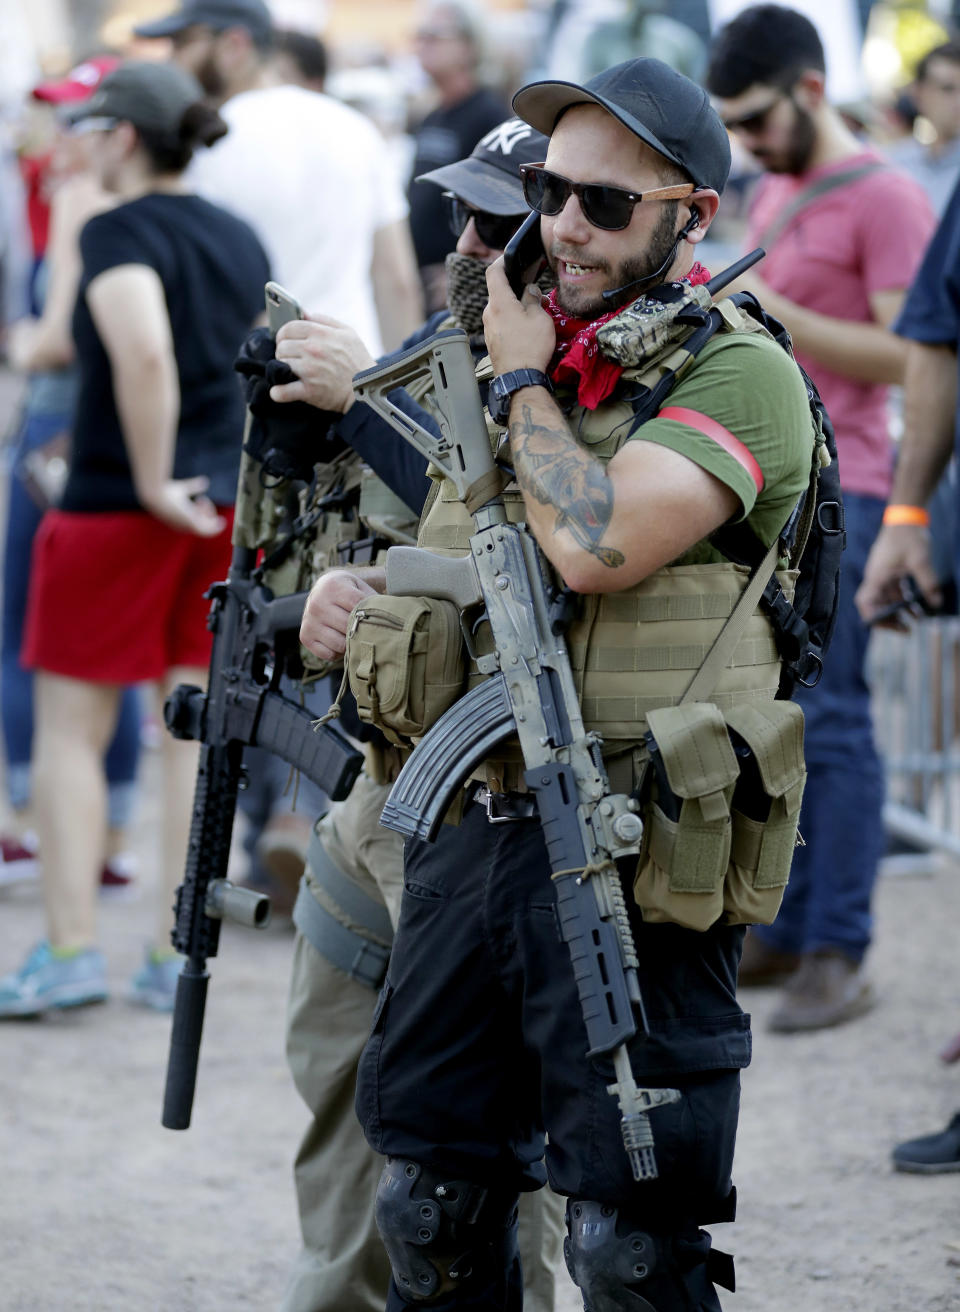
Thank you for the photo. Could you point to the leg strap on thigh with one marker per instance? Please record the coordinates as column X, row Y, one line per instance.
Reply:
column 355, row 937
column 618, row 1263
column 440, row 1234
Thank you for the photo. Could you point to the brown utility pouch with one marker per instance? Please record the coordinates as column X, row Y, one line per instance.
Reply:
column 687, row 834
column 406, row 662
column 768, row 741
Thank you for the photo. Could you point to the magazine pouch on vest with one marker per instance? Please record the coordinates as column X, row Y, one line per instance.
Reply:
column 687, row 830
column 767, row 739
column 406, row 662
column 721, row 811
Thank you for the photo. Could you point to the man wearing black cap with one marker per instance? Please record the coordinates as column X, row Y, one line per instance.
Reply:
column 350, row 895
column 478, row 1048
column 311, row 176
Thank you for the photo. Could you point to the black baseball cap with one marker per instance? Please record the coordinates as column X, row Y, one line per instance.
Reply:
column 150, row 95
column 489, row 178
column 218, row 14
column 670, row 113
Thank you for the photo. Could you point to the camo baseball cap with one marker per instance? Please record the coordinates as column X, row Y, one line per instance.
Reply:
column 489, row 178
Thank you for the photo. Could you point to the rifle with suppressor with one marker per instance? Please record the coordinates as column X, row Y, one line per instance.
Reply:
column 530, row 692
column 254, row 644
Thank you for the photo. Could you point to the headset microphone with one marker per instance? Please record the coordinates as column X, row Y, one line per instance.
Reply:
column 691, row 223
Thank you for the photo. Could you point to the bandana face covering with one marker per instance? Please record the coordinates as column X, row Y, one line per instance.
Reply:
column 579, row 357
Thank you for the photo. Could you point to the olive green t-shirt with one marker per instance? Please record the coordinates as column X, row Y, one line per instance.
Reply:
column 741, row 412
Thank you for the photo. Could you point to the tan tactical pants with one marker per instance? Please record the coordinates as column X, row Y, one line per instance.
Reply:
column 342, row 1266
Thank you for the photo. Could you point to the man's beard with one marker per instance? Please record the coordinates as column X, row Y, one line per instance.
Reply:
column 796, row 157
column 631, row 273
column 211, row 79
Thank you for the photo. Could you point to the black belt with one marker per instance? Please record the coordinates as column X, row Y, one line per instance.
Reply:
column 503, row 808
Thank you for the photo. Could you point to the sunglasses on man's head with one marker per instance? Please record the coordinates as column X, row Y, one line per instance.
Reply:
column 494, row 230
column 603, row 206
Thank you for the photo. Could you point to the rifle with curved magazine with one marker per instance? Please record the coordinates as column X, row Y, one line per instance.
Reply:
column 530, row 693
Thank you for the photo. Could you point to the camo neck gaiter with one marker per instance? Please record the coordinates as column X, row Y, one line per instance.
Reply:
column 466, row 291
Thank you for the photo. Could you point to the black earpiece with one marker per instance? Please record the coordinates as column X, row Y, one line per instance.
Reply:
column 615, row 292
column 691, row 223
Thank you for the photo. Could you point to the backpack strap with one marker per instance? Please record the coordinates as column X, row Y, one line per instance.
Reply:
column 648, row 401
column 812, row 192
column 799, row 648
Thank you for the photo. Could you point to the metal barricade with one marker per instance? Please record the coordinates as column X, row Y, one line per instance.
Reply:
column 915, row 684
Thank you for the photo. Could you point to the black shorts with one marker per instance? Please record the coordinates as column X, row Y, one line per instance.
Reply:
column 479, row 1047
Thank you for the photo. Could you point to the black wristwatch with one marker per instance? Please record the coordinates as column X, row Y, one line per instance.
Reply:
column 503, row 387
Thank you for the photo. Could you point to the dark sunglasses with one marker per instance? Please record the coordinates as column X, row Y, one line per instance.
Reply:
column 605, row 207
column 494, row 230
column 756, row 120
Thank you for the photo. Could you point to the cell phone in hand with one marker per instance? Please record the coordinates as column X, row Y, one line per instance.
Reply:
column 916, row 603
column 282, row 307
column 523, row 255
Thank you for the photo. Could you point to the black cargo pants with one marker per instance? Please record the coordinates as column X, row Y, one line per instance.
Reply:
column 478, row 1047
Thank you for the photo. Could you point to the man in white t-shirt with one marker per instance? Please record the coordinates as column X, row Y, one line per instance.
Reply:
column 310, row 175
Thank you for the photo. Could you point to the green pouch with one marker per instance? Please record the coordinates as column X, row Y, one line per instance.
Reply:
column 687, row 834
column 768, row 739
column 406, row 662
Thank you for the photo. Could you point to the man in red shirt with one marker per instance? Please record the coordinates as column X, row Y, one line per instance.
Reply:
column 844, row 235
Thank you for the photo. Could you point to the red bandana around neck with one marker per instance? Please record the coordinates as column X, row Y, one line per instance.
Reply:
column 578, row 358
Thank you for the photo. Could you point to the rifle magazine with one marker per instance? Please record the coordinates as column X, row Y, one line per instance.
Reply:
column 445, row 758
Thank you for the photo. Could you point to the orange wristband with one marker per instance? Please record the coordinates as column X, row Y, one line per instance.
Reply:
column 898, row 515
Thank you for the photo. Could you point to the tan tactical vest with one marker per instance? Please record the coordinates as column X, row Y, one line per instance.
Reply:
column 636, row 650
column 371, row 510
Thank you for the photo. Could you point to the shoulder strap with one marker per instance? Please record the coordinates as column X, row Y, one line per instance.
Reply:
column 775, row 229
column 724, row 645
column 718, row 657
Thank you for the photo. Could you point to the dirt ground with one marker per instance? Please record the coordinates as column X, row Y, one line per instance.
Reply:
column 102, row 1209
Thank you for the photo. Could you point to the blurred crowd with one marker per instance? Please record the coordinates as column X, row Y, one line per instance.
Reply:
column 147, row 200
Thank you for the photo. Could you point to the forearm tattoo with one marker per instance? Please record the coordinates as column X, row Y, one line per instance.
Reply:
column 556, row 472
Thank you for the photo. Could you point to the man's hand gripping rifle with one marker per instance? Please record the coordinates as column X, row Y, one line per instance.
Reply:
column 254, row 643
column 530, row 692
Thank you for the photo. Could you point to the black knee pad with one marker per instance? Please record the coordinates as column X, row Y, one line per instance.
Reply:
column 441, row 1234
column 618, row 1263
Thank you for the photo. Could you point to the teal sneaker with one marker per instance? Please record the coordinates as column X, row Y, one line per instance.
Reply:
column 45, row 982
column 155, row 984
